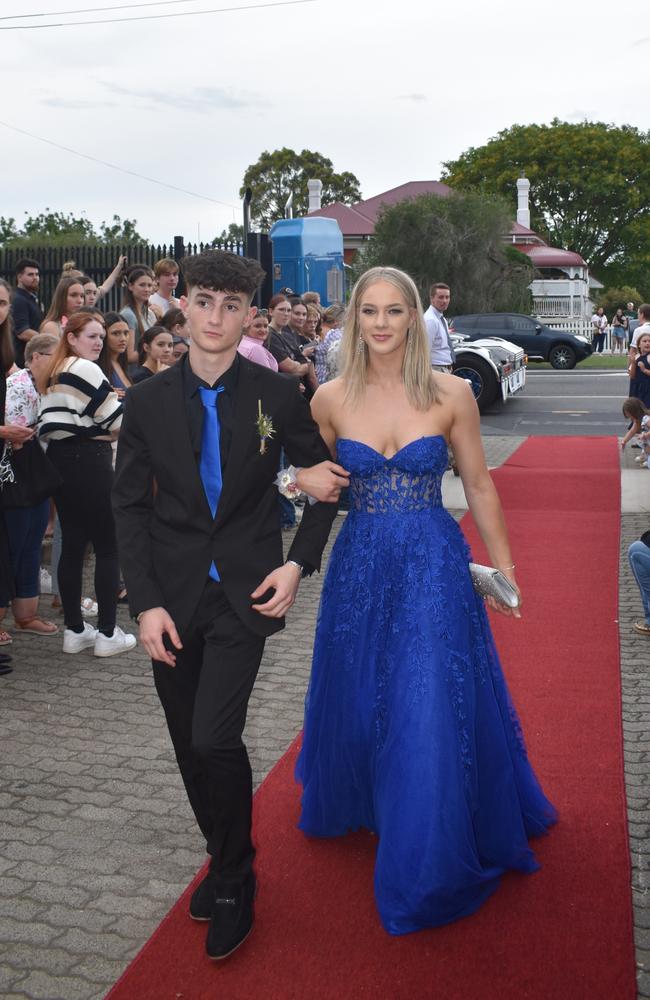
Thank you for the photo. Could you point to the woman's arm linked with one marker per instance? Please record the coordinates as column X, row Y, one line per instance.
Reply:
column 482, row 497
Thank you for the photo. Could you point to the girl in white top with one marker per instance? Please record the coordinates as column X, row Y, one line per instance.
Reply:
column 80, row 415
column 26, row 525
column 135, row 307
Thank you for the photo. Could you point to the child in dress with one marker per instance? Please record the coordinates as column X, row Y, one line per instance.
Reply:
column 639, row 416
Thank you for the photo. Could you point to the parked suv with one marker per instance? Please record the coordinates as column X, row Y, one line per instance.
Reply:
column 540, row 342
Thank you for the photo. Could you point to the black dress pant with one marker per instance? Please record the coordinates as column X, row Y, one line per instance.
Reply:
column 205, row 699
column 83, row 503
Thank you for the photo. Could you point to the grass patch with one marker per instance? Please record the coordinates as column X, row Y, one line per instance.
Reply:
column 614, row 362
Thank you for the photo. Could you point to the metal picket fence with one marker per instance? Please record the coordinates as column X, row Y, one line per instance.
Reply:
column 98, row 261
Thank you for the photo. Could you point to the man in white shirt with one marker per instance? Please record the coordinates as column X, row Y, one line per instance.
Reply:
column 442, row 351
column 166, row 274
column 644, row 324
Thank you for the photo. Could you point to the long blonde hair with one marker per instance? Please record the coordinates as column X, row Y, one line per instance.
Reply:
column 416, row 368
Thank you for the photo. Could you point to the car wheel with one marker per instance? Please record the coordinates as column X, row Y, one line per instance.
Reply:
column 481, row 378
column 562, row 356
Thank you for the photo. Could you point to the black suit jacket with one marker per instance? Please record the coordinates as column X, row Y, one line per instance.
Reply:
column 166, row 534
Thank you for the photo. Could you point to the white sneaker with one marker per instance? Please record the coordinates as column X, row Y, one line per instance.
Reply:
column 119, row 642
column 74, row 642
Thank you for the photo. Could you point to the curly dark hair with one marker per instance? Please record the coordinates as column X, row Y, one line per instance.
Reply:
column 222, row 271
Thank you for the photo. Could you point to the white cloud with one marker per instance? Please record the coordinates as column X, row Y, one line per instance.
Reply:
column 198, row 100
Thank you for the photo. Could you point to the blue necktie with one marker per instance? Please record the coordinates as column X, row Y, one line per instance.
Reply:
column 210, row 464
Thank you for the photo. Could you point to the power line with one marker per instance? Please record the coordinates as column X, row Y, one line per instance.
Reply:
column 92, row 10
column 114, row 166
column 151, row 17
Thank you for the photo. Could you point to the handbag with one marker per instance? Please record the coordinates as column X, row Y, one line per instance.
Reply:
column 34, row 478
column 490, row 582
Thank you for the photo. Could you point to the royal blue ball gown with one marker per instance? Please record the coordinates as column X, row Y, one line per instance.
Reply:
column 409, row 727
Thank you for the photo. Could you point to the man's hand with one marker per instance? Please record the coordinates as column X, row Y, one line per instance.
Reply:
column 154, row 624
column 324, row 481
column 284, row 581
column 17, row 434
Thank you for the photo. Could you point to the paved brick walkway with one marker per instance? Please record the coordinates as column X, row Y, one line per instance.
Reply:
column 96, row 838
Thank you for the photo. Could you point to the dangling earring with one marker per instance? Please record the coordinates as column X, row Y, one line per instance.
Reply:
column 360, row 345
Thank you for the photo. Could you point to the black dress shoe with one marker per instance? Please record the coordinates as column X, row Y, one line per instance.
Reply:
column 5, row 658
column 232, row 917
column 5, row 668
column 201, row 901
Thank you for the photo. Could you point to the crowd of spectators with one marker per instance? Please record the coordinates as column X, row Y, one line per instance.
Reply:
column 65, row 373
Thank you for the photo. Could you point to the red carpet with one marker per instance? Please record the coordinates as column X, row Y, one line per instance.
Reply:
column 564, row 933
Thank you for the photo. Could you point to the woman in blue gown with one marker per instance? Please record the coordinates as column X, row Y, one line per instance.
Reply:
column 409, row 728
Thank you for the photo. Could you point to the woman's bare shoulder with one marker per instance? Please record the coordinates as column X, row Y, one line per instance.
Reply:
column 330, row 394
column 453, row 389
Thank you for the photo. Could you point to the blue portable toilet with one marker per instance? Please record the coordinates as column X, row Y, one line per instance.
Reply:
column 308, row 257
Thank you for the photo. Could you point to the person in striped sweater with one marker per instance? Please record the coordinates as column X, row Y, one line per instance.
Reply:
column 80, row 416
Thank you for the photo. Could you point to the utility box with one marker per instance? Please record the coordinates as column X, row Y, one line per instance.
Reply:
column 308, row 257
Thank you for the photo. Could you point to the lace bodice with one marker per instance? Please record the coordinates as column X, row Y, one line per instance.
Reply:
column 408, row 481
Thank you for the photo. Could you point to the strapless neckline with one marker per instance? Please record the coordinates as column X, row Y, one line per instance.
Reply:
column 424, row 437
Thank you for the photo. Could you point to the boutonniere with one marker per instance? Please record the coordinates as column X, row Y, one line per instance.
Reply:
column 265, row 427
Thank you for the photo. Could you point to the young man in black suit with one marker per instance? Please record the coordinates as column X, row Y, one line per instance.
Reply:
column 200, row 545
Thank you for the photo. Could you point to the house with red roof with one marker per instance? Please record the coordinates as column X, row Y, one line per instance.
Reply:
column 357, row 222
column 562, row 284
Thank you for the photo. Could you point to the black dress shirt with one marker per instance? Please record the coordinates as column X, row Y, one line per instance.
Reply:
column 225, row 407
column 140, row 373
column 26, row 314
column 277, row 346
column 286, row 344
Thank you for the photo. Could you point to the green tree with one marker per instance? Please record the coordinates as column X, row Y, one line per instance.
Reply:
column 276, row 175
column 58, row 229
column 458, row 240
column 120, row 231
column 233, row 234
column 589, row 184
column 618, row 298
column 8, row 230
column 635, row 269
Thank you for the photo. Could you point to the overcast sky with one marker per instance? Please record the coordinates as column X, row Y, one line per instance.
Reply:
column 387, row 90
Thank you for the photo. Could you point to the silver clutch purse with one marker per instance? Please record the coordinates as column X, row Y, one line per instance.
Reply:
column 491, row 582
